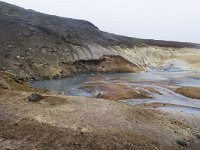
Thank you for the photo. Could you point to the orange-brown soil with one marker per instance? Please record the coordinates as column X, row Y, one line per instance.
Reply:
column 191, row 92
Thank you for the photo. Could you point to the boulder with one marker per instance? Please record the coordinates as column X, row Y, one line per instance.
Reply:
column 34, row 97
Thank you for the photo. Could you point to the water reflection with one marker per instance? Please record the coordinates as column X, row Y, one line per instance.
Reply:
column 70, row 86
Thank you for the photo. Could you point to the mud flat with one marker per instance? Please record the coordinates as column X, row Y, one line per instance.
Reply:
column 134, row 88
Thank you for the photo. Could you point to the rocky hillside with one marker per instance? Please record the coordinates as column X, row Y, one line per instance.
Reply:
column 36, row 45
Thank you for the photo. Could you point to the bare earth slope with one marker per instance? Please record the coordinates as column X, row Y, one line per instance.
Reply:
column 36, row 45
column 58, row 122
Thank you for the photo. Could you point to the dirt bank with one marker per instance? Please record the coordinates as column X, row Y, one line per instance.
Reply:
column 111, row 64
column 191, row 92
column 12, row 82
column 58, row 122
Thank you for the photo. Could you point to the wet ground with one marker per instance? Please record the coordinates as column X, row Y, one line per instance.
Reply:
column 156, row 87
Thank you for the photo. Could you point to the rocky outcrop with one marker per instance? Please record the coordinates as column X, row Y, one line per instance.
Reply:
column 103, row 64
column 36, row 45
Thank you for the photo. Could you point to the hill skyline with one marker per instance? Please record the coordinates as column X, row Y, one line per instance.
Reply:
column 162, row 20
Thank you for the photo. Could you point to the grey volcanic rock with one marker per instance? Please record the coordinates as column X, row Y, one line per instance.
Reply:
column 36, row 45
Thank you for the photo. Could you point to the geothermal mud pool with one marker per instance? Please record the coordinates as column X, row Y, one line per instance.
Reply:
column 156, row 89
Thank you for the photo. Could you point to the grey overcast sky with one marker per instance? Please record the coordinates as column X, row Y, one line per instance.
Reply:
column 177, row 20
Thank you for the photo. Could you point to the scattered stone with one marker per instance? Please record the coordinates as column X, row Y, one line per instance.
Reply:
column 6, row 56
column 18, row 80
column 34, row 97
column 4, row 69
column 31, row 28
column 4, row 86
column 20, row 65
column 27, row 34
column 198, row 136
column 18, row 57
column 182, row 143
column 58, row 42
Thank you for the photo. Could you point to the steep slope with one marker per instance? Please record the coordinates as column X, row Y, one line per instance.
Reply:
column 36, row 45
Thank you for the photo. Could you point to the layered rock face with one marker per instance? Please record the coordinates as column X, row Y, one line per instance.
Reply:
column 36, row 45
